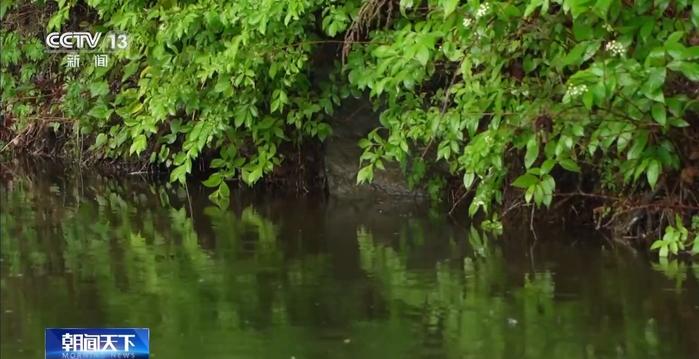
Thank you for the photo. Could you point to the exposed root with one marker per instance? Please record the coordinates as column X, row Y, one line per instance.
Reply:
column 372, row 13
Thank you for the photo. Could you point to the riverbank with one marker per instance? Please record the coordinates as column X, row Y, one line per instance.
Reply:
column 589, row 114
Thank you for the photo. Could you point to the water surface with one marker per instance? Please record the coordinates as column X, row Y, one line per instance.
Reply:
column 280, row 277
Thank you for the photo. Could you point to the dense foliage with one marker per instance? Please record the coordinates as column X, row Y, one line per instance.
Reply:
column 498, row 94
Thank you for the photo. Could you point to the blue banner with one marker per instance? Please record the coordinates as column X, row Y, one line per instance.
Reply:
column 97, row 343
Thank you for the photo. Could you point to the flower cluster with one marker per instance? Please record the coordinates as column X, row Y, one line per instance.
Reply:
column 467, row 22
column 482, row 10
column 615, row 48
column 575, row 91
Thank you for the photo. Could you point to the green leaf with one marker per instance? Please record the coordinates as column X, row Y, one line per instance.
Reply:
column 100, row 140
column 653, row 172
column 224, row 190
column 601, row 8
column 539, row 194
column 657, row 244
column 383, row 51
column 213, row 181
column 569, row 165
column 678, row 122
column 548, row 184
column 659, row 113
column 129, row 70
column 469, row 177
column 100, row 111
column 365, row 175
column 548, row 197
column 581, row 53
column 252, row 176
column 57, row 19
column 179, row 174
column 639, row 144
column 588, row 98
column 547, row 166
column 655, row 58
column 531, row 6
column 525, row 181
column 423, row 55
column 675, row 50
column 449, row 6
column 652, row 87
column 529, row 193
column 688, row 69
column 532, row 151
column 575, row 56
column 599, row 92
column 647, row 26
column 676, row 36
column 138, row 145
column 674, row 247
column 99, row 88
column 582, row 30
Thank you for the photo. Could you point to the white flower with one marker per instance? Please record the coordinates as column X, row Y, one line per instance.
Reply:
column 467, row 22
column 575, row 91
column 482, row 10
column 519, row 91
column 615, row 48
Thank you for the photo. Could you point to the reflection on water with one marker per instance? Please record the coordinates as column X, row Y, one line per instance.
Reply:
column 287, row 278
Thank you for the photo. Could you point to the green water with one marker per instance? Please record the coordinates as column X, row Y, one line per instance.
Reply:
column 281, row 277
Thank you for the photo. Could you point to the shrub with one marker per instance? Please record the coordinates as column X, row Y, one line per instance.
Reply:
column 505, row 93
column 497, row 94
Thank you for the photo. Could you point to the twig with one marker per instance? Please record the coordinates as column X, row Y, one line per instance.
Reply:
column 445, row 103
column 459, row 201
column 585, row 194
column 661, row 207
column 531, row 224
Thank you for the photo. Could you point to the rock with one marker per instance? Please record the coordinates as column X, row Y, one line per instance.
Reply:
column 353, row 121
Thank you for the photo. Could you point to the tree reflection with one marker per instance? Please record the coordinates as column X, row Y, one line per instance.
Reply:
column 474, row 310
column 238, row 283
